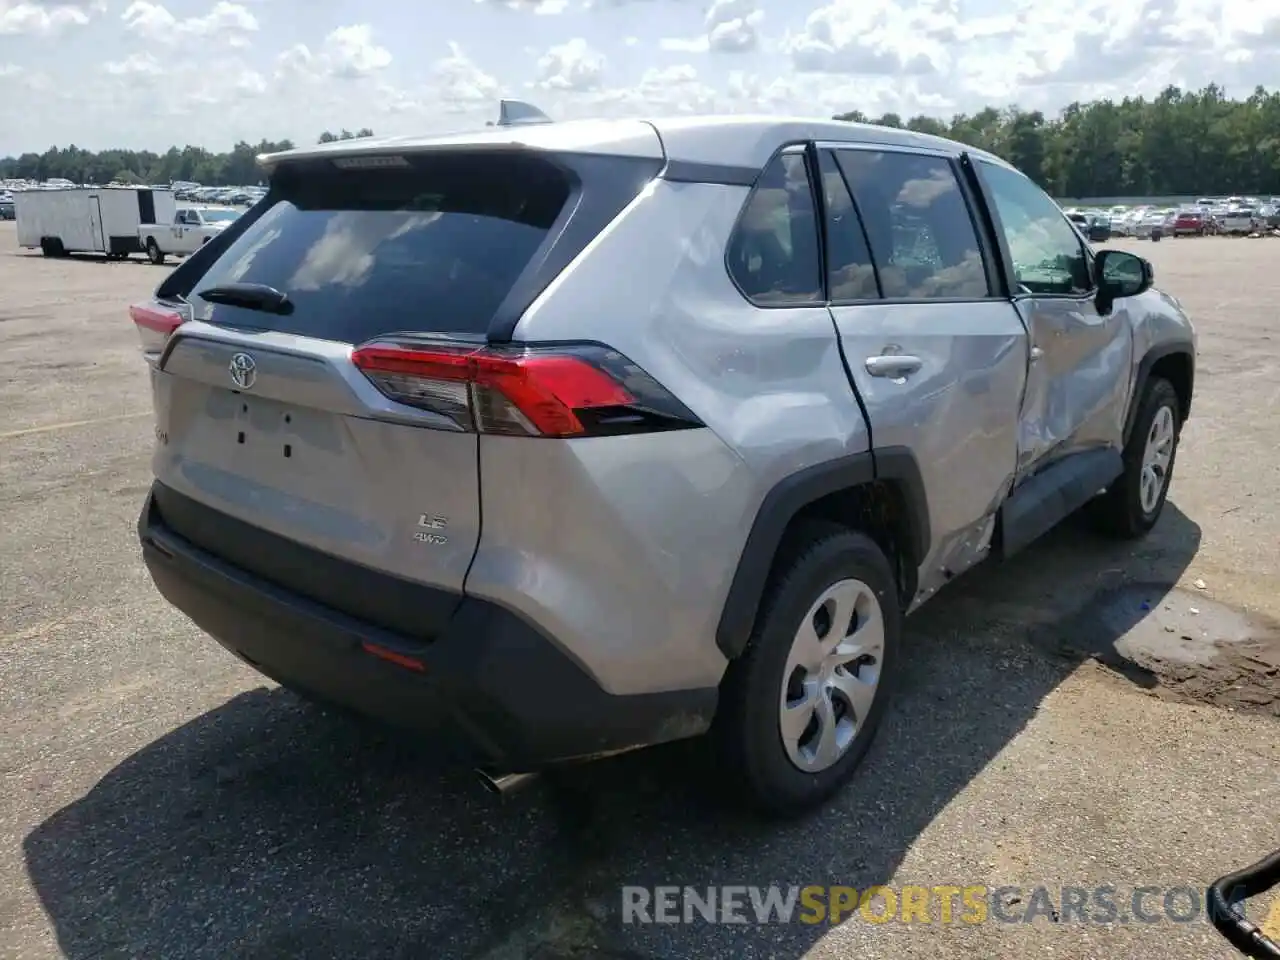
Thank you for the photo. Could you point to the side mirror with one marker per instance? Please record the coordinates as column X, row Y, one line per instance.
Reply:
column 1119, row 273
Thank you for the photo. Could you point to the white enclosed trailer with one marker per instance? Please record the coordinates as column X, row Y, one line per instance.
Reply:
column 89, row 219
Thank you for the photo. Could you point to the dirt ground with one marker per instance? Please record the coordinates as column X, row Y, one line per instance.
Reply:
column 1092, row 714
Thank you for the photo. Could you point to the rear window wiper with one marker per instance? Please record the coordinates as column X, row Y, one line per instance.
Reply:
column 251, row 296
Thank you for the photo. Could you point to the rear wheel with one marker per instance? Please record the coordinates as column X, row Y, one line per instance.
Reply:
column 801, row 705
column 1133, row 503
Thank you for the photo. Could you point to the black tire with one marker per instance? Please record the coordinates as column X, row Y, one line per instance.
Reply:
column 747, row 734
column 1119, row 512
column 154, row 253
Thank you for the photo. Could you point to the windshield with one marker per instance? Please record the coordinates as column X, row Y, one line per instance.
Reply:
column 435, row 247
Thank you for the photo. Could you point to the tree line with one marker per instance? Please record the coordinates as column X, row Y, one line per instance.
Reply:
column 191, row 164
column 1180, row 143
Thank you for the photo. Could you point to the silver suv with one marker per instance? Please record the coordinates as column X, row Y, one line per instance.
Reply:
column 566, row 439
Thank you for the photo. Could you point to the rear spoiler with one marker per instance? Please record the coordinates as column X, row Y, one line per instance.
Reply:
column 511, row 113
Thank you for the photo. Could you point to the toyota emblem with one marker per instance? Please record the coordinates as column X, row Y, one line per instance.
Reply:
column 243, row 371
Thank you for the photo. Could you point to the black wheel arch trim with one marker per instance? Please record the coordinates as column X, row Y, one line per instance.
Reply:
column 790, row 495
column 1157, row 353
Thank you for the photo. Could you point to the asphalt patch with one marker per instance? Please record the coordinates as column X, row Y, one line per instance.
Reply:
column 1179, row 645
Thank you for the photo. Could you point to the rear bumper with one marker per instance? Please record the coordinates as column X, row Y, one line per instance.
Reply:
column 490, row 685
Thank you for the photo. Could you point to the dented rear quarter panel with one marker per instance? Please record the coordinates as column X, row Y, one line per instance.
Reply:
column 664, row 517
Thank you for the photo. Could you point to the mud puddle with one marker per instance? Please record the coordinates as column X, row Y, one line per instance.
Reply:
column 1179, row 645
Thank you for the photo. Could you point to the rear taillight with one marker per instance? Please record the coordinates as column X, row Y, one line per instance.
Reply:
column 155, row 323
column 579, row 390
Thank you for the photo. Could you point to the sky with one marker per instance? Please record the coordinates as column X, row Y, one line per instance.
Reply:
column 148, row 74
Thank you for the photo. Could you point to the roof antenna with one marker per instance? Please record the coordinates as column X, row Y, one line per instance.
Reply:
column 513, row 113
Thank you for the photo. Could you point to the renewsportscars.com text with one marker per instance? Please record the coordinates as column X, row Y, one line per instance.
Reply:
column 941, row 904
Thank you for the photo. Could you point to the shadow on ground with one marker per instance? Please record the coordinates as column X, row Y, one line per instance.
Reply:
column 266, row 828
column 100, row 258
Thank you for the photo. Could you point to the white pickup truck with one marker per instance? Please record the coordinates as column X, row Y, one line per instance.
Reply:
column 191, row 228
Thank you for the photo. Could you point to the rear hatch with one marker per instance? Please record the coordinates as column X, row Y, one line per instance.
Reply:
column 274, row 451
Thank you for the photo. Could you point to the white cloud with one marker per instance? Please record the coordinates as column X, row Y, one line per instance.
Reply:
column 230, row 22
column 571, row 66
column 461, row 84
column 675, row 89
column 730, row 26
column 348, row 53
column 543, row 7
column 136, row 64
column 251, row 69
column 875, row 37
column 353, row 52
column 40, row 18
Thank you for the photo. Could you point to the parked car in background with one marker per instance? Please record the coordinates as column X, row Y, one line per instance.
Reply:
column 1098, row 228
column 6, row 206
column 492, row 327
column 1149, row 222
column 1269, row 216
column 1189, row 223
column 1242, row 220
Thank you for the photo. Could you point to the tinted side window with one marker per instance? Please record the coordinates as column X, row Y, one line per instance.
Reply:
column 850, row 270
column 921, row 234
column 773, row 254
column 1048, row 256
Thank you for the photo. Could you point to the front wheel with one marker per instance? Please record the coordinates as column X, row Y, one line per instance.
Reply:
column 800, row 707
column 1133, row 503
column 154, row 253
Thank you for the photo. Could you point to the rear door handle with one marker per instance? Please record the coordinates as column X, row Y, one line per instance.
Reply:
column 894, row 366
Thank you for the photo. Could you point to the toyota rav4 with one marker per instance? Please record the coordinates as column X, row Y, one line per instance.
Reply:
column 559, row 440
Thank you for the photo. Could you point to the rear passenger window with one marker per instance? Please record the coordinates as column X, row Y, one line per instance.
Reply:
column 922, row 237
column 850, row 271
column 773, row 254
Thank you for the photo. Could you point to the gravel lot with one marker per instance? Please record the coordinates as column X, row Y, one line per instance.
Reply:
column 160, row 799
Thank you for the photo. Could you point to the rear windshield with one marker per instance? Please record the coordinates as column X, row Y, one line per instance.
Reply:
column 434, row 247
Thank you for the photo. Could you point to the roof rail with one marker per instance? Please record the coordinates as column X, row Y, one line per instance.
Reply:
column 516, row 112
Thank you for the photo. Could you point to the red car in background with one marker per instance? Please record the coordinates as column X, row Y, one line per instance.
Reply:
column 1191, row 223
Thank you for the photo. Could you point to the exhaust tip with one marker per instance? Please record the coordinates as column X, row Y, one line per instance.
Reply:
column 505, row 783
